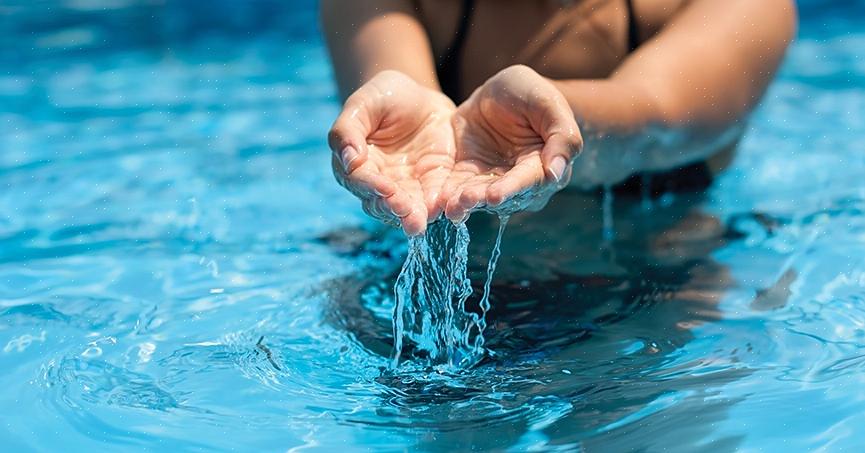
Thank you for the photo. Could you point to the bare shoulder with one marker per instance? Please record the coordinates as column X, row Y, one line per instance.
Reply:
column 654, row 15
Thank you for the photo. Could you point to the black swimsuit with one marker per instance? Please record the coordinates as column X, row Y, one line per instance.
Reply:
column 696, row 176
column 448, row 66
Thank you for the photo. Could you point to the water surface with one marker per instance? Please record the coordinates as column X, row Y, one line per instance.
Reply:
column 178, row 269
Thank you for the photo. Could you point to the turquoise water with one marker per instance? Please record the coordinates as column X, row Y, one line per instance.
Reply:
column 179, row 271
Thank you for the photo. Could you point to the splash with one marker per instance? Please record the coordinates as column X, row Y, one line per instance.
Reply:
column 430, row 315
column 431, row 322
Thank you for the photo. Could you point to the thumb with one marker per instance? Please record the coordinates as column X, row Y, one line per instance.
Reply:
column 347, row 136
column 558, row 152
column 562, row 142
column 553, row 120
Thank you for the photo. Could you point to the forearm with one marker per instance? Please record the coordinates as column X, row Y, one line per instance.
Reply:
column 626, row 132
column 367, row 37
column 684, row 94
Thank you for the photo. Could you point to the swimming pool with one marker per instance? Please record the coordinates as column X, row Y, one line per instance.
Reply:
column 179, row 271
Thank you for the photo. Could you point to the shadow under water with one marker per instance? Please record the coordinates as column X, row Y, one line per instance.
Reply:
column 590, row 342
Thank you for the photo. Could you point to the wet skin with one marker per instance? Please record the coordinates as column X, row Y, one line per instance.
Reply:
column 543, row 76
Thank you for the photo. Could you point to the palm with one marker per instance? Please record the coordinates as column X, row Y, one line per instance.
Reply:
column 514, row 137
column 409, row 154
column 416, row 153
column 498, row 158
column 407, row 147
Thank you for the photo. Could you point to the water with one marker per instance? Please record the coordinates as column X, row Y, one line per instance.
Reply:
column 430, row 295
column 491, row 269
column 609, row 231
column 179, row 271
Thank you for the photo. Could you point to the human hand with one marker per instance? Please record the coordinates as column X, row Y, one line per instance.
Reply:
column 515, row 139
column 393, row 148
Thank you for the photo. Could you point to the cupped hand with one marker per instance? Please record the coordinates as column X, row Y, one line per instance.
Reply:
column 394, row 148
column 515, row 139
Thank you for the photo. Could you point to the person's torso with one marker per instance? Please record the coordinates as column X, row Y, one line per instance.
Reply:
column 559, row 39
column 579, row 39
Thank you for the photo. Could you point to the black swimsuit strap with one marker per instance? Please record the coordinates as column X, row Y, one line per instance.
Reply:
column 633, row 30
column 449, row 65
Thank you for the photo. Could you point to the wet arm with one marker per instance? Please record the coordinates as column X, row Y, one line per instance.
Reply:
column 683, row 95
column 367, row 37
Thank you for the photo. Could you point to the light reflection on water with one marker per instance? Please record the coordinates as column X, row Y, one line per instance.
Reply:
column 179, row 270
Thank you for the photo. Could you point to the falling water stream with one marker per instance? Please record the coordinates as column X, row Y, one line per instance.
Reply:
column 431, row 291
column 608, row 232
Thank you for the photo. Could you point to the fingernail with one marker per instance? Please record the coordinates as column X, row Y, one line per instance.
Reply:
column 462, row 218
column 347, row 156
column 557, row 167
column 402, row 216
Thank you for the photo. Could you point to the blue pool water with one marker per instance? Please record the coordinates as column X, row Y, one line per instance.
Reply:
column 179, row 271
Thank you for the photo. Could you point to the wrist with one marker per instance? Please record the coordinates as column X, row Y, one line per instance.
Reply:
column 425, row 82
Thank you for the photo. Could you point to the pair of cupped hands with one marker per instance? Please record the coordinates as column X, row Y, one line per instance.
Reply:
column 410, row 154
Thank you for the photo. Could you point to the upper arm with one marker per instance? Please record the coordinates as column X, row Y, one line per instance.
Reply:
column 367, row 37
column 713, row 61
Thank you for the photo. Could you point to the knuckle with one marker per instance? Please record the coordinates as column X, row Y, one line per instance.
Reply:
column 335, row 136
column 516, row 69
column 467, row 196
column 495, row 195
column 355, row 98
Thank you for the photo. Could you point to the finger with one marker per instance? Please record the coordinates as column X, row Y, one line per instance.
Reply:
column 398, row 209
column 415, row 222
column 562, row 141
column 411, row 212
column 467, row 199
column 525, row 175
column 447, row 191
column 561, row 135
column 433, row 205
column 433, row 185
column 557, row 154
column 452, row 186
column 452, row 210
column 365, row 181
column 375, row 208
column 347, row 136
column 400, row 203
